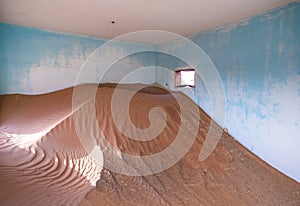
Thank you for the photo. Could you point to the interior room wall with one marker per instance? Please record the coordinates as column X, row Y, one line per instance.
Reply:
column 257, row 59
column 258, row 62
column 34, row 61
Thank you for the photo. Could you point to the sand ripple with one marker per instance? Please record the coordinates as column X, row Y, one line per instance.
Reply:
column 42, row 160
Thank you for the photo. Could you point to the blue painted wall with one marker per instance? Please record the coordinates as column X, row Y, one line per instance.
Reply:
column 258, row 60
column 38, row 61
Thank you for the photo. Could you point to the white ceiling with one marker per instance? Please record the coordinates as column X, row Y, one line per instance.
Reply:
column 94, row 17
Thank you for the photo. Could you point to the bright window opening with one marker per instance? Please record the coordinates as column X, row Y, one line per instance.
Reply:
column 185, row 77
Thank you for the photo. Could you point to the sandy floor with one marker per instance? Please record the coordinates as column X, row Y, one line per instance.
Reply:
column 42, row 160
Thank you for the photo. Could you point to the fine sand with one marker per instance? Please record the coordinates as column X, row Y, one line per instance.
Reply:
column 43, row 160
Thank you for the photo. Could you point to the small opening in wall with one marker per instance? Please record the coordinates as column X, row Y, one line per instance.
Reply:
column 185, row 77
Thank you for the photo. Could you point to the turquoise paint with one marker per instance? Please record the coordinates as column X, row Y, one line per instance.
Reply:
column 22, row 48
column 258, row 60
column 141, row 59
column 38, row 61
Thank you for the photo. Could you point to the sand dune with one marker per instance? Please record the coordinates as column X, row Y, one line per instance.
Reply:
column 43, row 161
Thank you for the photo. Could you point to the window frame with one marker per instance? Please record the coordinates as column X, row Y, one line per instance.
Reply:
column 178, row 73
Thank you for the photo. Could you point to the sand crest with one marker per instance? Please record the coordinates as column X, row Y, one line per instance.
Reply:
column 43, row 160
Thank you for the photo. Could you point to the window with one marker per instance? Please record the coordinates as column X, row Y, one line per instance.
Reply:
column 185, row 77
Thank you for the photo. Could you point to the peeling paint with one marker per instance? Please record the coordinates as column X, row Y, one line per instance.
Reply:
column 37, row 61
column 231, row 26
column 258, row 60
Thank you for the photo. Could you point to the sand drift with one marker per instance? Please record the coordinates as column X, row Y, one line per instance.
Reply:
column 43, row 160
